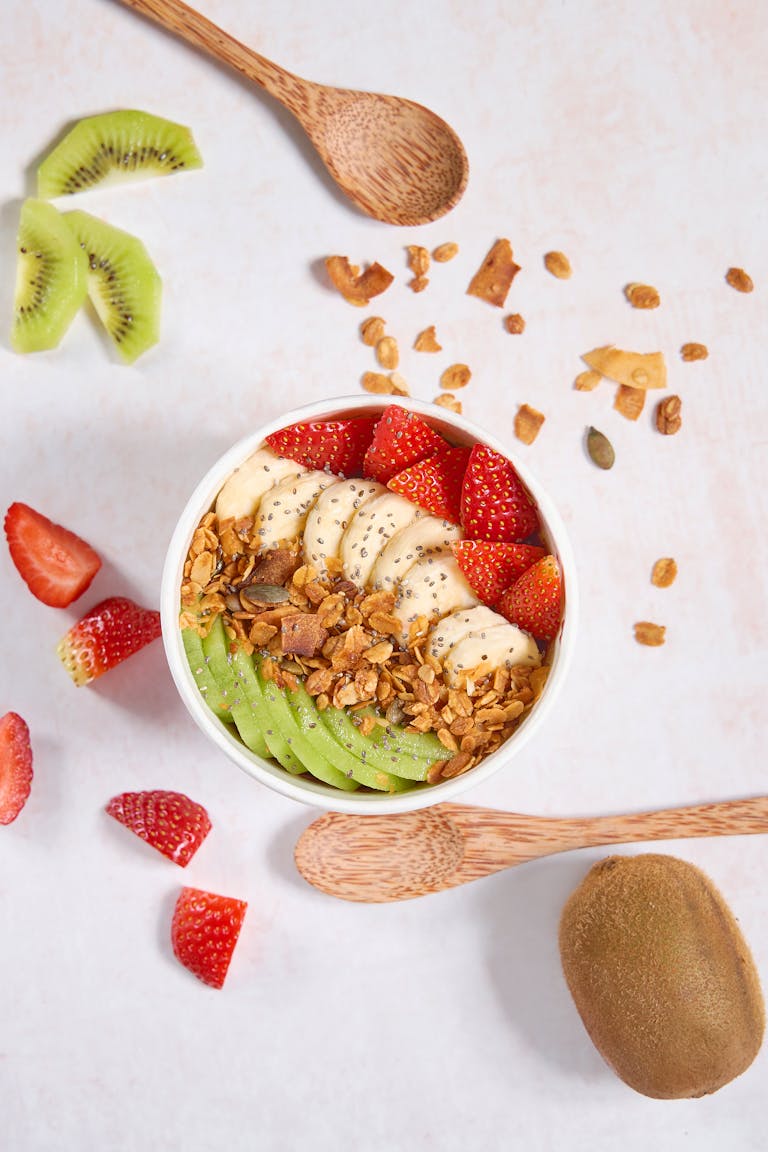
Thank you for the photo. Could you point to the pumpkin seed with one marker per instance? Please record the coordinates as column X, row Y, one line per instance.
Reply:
column 600, row 449
column 265, row 594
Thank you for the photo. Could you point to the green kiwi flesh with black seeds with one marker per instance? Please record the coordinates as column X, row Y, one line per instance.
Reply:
column 123, row 284
column 51, row 278
column 127, row 144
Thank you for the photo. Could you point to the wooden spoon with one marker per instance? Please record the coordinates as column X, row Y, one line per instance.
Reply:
column 396, row 160
column 382, row 858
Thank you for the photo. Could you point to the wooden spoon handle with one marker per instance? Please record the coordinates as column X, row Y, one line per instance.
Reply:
column 197, row 30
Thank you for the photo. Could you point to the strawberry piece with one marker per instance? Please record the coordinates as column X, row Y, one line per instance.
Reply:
column 435, row 483
column 169, row 821
column 15, row 766
column 338, row 446
column 490, row 566
column 107, row 635
column 534, row 602
column 55, row 564
column 401, row 438
column 204, row 933
column 494, row 503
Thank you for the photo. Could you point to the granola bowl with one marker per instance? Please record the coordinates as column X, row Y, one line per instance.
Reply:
column 388, row 661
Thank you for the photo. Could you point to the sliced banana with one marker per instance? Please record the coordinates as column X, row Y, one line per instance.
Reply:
column 455, row 627
column 244, row 489
column 483, row 651
column 283, row 509
column 433, row 587
column 331, row 515
column 423, row 537
column 371, row 529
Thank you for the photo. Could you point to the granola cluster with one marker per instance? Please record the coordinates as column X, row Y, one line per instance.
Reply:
column 342, row 642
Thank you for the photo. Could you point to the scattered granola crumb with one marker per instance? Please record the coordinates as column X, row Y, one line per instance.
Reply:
column 668, row 418
column 652, row 635
column 445, row 252
column 558, row 264
column 449, row 401
column 528, row 423
column 664, row 572
column 382, row 385
column 387, row 352
column 418, row 259
column 738, row 279
column 356, row 287
column 426, row 341
column 642, row 296
column 514, row 324
column 494, row 277
column 694, row 352
column 399, row 384
column 418, row 284
column 372, row 330
column 456, row 376
column 629, row 401
column 586, row 381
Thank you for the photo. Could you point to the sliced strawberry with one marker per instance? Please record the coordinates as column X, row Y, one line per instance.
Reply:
column 494, row 503
column 15, row 766
column 169, row 821
column 491, row 566
column 534, row 602
column 435, row 483
column 204, row 933
column 56, row 565
column 401, row 438
column 338, row 446
column 107, row 635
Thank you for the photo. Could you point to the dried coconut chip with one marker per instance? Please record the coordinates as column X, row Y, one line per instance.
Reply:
column 528, row 423
column 456, row 376
column 635, row 369
column 449, row 401
column 690, row 352
column 372, row 330
column 514, row 324
column 652, row 635
column 629, row 401
column 426, row 341
column 494, row 277
column 558, row 264
column 445, row 252
column 586, row 381
column 664, row 572
column 356, row 287
column 642, row 296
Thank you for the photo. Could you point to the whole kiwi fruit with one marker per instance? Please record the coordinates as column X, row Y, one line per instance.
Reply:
column 661, row 976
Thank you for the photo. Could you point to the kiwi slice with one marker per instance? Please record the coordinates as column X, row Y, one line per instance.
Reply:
column 126, row 144
column 51, row 278
column 123, row 283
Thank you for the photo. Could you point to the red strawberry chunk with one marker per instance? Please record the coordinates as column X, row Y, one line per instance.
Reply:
column 55, row 564
column 337, row 446
column 15, row 766
column 169, row 821
column 204, row 933
column 435, row 483
column 490, row 566
column 401, row 438
column 534, row 602
column 107, row 635
column 494, row 502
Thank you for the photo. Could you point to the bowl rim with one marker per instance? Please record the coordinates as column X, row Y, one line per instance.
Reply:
column 303, row 789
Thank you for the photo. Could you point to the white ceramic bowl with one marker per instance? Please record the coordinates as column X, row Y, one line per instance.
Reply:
column 459, row 431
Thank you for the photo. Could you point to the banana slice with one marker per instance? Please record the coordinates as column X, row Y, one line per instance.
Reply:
column 433, row 587
column 371, row 529
column 455, row 627
column 330, row 517
column 423, row 537
column 284, row 509
column 483, row 651
column 244, row 489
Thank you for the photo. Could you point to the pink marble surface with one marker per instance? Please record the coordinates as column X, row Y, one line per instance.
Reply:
column 631, row 136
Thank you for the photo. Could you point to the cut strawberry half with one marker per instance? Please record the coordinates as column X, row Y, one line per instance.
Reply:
column 490, row 566
column 401, row 438
column 435, row 483
column 338, row 446
column 107, row 635
column 535, row 600
column 204, row 933
column 15, row 766
column 169, row 821
column 55, row 564
column 494, row 502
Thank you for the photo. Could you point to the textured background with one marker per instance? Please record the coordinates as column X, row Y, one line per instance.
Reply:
column 629, row 135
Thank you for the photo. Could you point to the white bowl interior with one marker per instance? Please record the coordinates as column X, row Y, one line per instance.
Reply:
column 458, row 431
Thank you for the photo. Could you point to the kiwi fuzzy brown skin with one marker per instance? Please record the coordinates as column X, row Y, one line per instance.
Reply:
column 661, row 976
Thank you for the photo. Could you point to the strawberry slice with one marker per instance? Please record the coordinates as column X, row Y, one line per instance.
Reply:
column 490, row 566
column 534, row 602
column 56, row 565
column 204, row 933
column 338, row 446
column 435, row 483
column 169, row 821
column 494, row 503
column 15, row 766
column 107, row 635
column 401, row 438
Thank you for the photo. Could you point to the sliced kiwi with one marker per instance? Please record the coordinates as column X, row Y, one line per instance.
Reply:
column 126, row 144
column 51, row 278
column 123, row 283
